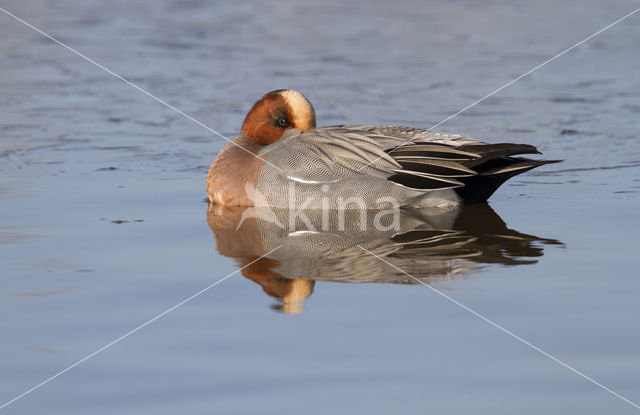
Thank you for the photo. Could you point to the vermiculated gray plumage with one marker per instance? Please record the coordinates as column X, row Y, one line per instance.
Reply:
column 415, row 167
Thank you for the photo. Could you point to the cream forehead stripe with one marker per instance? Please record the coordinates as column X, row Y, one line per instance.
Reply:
column 302, row 109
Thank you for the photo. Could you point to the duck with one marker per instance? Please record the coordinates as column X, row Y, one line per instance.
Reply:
column 283, row 160
column 432, row 245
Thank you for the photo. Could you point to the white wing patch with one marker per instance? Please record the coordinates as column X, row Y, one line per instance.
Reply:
column 299, row 180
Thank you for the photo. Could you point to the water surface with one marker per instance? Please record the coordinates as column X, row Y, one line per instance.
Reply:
column 103, row 227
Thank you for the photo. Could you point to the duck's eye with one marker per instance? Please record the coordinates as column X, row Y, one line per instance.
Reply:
column 283, row 122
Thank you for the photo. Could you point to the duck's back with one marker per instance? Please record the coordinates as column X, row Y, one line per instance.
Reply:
column 379, row 166
column 364, row 167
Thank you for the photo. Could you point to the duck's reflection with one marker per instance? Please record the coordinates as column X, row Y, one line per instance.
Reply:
column 327, row 246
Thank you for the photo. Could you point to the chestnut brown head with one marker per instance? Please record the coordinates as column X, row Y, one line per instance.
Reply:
column 275, row 112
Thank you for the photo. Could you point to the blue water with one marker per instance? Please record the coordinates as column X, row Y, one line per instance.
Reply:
column 81, row 151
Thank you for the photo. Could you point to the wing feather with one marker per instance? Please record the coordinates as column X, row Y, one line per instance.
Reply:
column 415, row 158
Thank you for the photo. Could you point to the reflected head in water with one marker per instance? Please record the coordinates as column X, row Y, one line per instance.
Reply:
column 290, row 291
column 430, row 244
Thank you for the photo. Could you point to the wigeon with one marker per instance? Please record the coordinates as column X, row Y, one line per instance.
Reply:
column 282, row 160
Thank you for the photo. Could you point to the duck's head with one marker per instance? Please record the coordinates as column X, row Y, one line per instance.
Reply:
column 275, row 112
